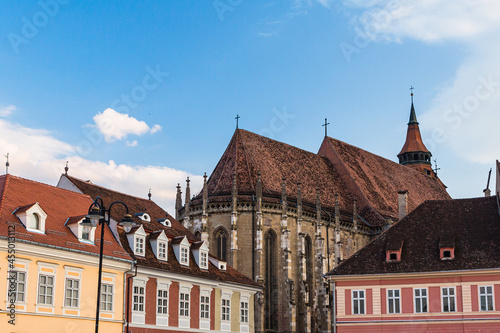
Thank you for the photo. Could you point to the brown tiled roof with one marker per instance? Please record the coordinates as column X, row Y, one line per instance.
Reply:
column 373, row 186
column 376, row 180
column 414, row 142
column 472, row 225
column 175, row 234
column 59, row 205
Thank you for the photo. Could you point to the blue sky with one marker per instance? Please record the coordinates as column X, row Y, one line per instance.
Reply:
column 138, row 95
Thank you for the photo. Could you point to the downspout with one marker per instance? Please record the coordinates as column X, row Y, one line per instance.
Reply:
column 127, row 292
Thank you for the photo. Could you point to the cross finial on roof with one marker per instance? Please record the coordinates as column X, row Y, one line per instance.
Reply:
column 326, row 126
column 66, row 168
column 237, row 120
column 411, row 89
column 436, row 167
column 7, row 164
column 149, row 194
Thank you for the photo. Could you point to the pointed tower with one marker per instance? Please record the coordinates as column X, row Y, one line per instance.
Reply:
column 414, row 153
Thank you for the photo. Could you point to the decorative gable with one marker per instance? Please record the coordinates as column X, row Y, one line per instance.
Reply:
column 181, row 248
column 200, row 253
column 159, row 244
column 137, row 241
column 73, row 223
column 33, row 217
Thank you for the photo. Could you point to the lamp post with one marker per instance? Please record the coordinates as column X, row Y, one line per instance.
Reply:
column 100, row 215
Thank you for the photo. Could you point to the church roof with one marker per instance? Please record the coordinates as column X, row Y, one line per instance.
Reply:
column 338, row 168
column 414, row 142
column 376, row 180
column 471, row 226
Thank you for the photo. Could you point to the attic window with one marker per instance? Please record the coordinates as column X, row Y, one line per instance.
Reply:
column 447, row 253
column 165, row 222
column 393, row 251
column 33, row 217
column 143, row 216
column 35, row 222
column 393, row 256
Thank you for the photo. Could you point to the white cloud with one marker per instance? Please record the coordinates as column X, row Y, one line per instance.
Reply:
column 6, row 111
column 117, row 126
column 131, row 143
column 464, row 114
column 36, row 154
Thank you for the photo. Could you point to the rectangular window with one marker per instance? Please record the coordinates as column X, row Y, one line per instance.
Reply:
column 420, row 300
column 162, row 302
column 205, row 307
column 486, row 298
column 244, row 312
column 85, row 234
column 203, row 259
column 138, row 299
column 72, row 293
column 184, row 305
column 139, row 245
column 226, row 309
column 20, row 291
column 393, row 301
column 162, row 250
column 184, row 255
column 448, row 299
column 106, row 297
column 358, row 302
column 46, row 290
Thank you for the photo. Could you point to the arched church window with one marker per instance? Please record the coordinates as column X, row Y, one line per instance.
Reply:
column 221, row 240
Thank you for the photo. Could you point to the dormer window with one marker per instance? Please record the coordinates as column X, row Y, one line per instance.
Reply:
column 393, row 251
column 165, row 222
column 33, row 217
column 447, row 247
column 200, row 253
column 162, row 250
column 181, row 248
column 143, row 216
column 85, row 234
column 447, row 253
column 159, row 244
column 137, row 240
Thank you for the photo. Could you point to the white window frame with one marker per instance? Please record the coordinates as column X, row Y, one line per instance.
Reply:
column 140, row 245
column 17, row 283
column 205, row 307
column 163, row 286
column 184, row 255
column 244, row 314
column 359, row 297
column 396, row 301
column 244, row 311
column 108, row 279
column 225, row 309
column 448, row 299
column 105, row 292
column 162, row 298
column 421, row 298
column 46, row 285
column 138, row 298
column 72, row 289
column 486, row 295
column 185, row 305
column 162, row 250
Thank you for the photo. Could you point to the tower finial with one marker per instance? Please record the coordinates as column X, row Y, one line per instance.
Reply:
column 7, row 164
column 237, row 120
column 66, row 168
column 326, row 127
column 411, row 89
column 149, row 194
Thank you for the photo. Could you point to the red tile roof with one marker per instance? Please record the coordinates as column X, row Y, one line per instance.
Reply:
column 175, row 233
column 338, row 168
column 59, row 205
column 472, row 225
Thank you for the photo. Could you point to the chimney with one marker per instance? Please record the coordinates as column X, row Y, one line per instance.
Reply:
column 403, row 203
column 487, row 191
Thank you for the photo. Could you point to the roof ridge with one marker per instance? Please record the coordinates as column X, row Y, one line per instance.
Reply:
column 108, row 189
column 280, row 142
column 45, row 184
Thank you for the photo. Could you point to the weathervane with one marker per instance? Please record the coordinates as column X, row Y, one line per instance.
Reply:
column 237, row 118
column 411, row 89
column 436, row 167
column 7, row 164
column 326, row 126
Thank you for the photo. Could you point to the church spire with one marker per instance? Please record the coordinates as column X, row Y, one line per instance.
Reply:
column 414, row 153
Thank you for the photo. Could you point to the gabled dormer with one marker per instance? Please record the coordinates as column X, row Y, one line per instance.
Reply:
column 181, row 248
column 73, row 223
column 393, row 250
column 33, row 217
column 200, row 253
column 137, row 240
column 159, row 244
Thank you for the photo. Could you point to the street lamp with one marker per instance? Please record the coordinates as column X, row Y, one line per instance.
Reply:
column 98, row 214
